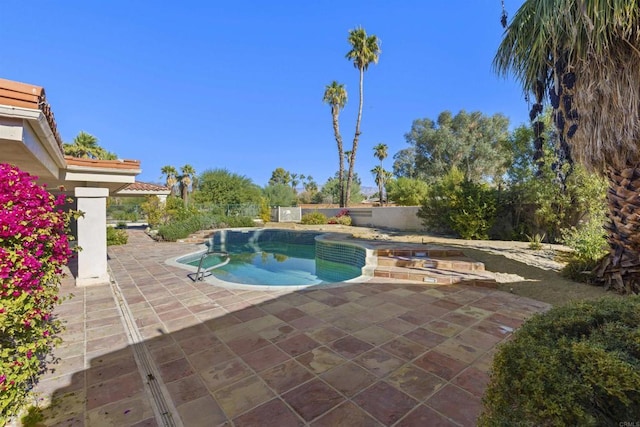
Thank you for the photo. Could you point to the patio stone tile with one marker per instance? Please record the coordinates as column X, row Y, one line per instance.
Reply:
column 274, row 412
column 175, row 369
column 350, row 347
column 385, row 402
column 289, row 314
column 404, row 348
column 485, row 362
column 346, row 415
column 215, row 355
column 495, row 329
column 371, row 301
column 186, row 389
column 111, row 367
column 306, row 323
column 297, row 344
column 197, row 344
column 313, row 399
column 263, row 322
column 447, row 402
column 246, row 394
column 440, row 364
column 501, row 319
column 126, row 412
column 415, row 382
column 397, row 326
column 389, row 310
column 320, row 359
column 119, row 388
column 349, row 379
column 286, row 376
column 425, row 337
column 207, row 315
column 459, row 350
column 325, row 334
column 203, row 411
column 277, row 333
column 459, row 319
column 443, row 327
column 247, row 343
column 374, row 335
column 478, row 339
column 313, row 307
column 421, row 316
column 104, row 321
column 472, row 380
column 224, row 373
column 110, row 343
column 378, row 362
column 250, row 313
column 174, row 325
column 475, row 312
column 349, row 324
column 264, row 358
column 425, row 416
column 447, row 303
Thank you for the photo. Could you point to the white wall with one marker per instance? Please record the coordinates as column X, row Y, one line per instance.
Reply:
column 402, row 218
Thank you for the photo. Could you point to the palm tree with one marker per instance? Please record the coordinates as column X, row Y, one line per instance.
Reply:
column 335, row 95
column 364, row 50
column 85, row 146
column 585, row 56
column 170, row 173
column 186, row 179
column 380, row 152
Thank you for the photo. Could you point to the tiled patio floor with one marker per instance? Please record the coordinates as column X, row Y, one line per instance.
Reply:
column 156, row 348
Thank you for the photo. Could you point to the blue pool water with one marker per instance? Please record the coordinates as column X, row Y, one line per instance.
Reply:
column 279, row 258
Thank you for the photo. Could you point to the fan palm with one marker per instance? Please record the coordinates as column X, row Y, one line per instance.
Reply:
column 364, row 51
column 84, row 145
column 335, row 95
column 170, row 173
column 585, row 55
column 380, row 152
column 186, row 180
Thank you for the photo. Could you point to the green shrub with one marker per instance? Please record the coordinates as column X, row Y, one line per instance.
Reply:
column 314, row 218
column 577, row 364
column 588, row 241
column 116, row 236
column 341, row 220
column 454, row 204
column 580, row 270
column 180, row 229
column 265, row 210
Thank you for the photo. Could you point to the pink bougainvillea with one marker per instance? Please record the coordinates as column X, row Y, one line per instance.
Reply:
column 33, row 249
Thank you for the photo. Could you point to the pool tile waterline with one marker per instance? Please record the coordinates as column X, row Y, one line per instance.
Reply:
column 363, row 353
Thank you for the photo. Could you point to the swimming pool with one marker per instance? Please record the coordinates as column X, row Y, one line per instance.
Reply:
column 278, row 258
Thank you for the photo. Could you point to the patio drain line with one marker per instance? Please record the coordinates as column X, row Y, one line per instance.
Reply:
column 164, row 410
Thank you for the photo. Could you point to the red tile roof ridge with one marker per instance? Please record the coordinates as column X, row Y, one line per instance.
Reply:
column 146, row 186
column 25, row 95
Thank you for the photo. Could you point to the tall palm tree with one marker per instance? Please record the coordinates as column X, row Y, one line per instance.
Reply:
column 380, row 152
column 585, row 55
column 364, row 51
column 335, row 95
column 170, row 173
column 186, row 180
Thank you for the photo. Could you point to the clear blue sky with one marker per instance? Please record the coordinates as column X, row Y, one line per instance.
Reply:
column 239, row 84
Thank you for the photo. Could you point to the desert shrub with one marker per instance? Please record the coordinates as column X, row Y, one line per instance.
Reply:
column 33, row 249
column 577, row 364
column 153, row 210
column 589, row 245
column 116, row 236
column 454, row 204
column 314, row 218
column 265, row 210
column 180, row 229
column 341, row 218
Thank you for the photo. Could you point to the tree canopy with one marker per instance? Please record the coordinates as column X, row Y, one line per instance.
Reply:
column 86, row 146
column 221, row 187
column 473, row 142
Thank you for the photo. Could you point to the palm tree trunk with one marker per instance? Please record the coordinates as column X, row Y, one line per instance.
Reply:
column 620, row 270
column 336, row 132
column 352, row 160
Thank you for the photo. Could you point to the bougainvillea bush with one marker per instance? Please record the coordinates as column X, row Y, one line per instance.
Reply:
column 33, row 249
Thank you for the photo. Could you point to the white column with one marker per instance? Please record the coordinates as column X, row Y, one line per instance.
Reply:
column 92, row 236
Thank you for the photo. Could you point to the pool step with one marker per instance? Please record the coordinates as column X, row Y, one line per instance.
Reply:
column 198, row 237
column 456, row 263
column 438, row 266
